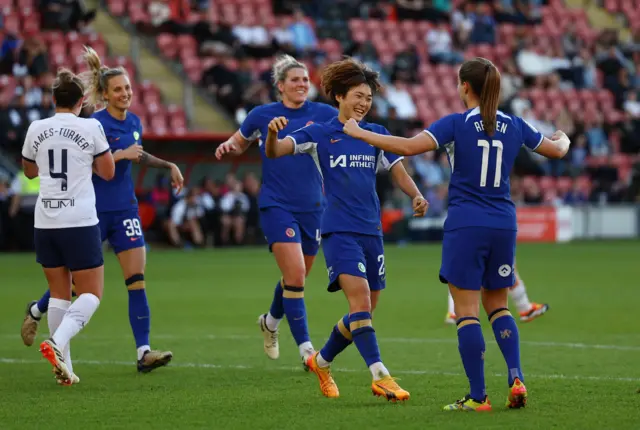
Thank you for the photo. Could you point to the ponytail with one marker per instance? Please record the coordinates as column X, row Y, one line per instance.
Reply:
column 490, row 99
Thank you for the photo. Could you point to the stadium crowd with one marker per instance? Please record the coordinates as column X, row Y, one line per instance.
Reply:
column 548, row 83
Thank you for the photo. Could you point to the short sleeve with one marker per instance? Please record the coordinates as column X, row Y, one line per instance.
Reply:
column 250, row 127
column 100, row 144
column 305, row 140
column 531, row 137
column 28, row 152
column 387, row 160
column 442, row 131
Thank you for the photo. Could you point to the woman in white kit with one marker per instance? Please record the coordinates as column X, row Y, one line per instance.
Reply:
column 64, row 151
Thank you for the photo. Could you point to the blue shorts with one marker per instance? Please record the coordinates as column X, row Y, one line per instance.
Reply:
column 76, row 248
column 122, row 229
column 475, row 257
column 357, row 255
column 280, row 225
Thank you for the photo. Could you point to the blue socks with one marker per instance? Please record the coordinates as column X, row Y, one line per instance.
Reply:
column 364, row 336
column 43, row 303
column 277, row 306
column 339, row 340
column 506, row 332
column 139, row 312
column 296, row 312
column 471, row 347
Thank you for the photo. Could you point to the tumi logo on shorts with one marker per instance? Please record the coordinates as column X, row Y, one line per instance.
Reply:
column 58, row 203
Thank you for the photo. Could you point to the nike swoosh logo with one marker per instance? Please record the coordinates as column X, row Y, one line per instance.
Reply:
column 142, row 318
column 335, row 140
column 133, row 239
column 298, row 319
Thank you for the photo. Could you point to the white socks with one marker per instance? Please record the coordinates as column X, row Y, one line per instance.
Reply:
column 378, row 371
column 57, row 309
column 305, row 349
column 321, row 361
column 35, row 312
column 76, row 317
column 142, row 350
column 519, row 295
column 452, row 309
column 272, row 323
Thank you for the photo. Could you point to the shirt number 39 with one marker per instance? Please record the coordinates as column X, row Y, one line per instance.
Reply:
column 132, row 227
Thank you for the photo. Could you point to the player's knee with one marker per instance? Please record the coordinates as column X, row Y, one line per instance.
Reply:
column 135, row 282
column 295, row 276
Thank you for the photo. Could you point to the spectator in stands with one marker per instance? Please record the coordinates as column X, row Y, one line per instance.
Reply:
column 462, row 24
column 428, row 171
column 510, row 83
column 632, row 105
column 304, row 36
column 255, row 40
column 234, row 206
column 185, row 220
column 210, row 201
column 405, row 65
column 252, row 189
column 439, row 44
column 437, row 198
column 167, row 16
column 532, row 193
column 630, row 135
column 65, row 15
column 32, row 58
column 24, row 194
column 578, row 154
column 284, row 38
column 484, row 26
column 400, row 99
column 222, row 82
column 214, row 38
column 596, row 137
column 584, row 70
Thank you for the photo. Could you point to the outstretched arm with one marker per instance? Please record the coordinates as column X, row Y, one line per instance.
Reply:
column 402, row 179
column 422, row 142
column 275, row 148
column 235, row 145
column 176, row 176
column 556, row 147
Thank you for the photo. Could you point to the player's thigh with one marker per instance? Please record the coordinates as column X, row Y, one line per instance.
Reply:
column 290, row 261
column 89, row 281
column 464, row 256
column 499, row 271
column 279, row 226
column 374, row 260
column 48, row 254
column 343, row 254
column 356, row 290
column 59, row 280
column 309, row 225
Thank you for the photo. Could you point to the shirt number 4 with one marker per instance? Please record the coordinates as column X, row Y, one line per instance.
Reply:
column 486, row 147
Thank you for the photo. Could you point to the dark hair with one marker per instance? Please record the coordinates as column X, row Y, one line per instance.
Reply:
column 484, row 79
column 339, row 77
column 67, row 89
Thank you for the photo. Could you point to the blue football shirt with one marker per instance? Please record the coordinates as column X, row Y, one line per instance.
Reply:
column 292, row 184
column 118, row 194
column 479, row 191
column 348, row 167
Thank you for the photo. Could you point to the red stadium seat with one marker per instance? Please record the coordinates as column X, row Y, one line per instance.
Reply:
column 167, row 44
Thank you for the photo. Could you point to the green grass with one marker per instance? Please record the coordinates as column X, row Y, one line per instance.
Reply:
column 580, row 360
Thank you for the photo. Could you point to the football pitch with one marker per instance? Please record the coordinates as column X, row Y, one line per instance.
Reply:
column 580, row 360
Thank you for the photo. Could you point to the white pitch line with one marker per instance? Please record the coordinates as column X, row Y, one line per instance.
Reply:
column 294, row 369
column 570, row 345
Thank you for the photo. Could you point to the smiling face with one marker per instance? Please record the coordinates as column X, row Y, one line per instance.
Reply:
column 119, row 92
column 356, row 103
column 295, row 86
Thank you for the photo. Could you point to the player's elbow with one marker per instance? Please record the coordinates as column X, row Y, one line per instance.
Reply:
column 30, row 173
column 105, row 167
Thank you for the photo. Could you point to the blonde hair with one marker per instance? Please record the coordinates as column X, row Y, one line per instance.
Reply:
column 281, row 67
column 96, row 79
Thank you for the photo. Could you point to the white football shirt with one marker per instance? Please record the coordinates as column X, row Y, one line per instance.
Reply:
column 64, row 147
